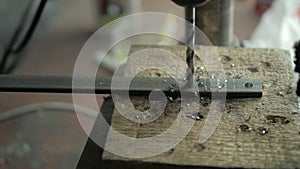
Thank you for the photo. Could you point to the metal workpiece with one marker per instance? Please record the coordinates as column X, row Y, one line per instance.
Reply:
column 233, row 88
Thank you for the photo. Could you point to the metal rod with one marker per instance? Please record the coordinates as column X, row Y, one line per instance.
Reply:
column 190, row 35
column 234, row 88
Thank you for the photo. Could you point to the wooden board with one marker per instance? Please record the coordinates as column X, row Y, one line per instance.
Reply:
column 232, row 144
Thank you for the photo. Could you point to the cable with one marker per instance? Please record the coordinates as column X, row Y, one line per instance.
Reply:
column 23, row 110
column 4, row 69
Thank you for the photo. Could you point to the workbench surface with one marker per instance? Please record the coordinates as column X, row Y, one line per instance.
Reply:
column 253, row 133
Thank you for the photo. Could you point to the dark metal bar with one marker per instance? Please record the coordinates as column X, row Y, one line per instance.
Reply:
column 234, row 88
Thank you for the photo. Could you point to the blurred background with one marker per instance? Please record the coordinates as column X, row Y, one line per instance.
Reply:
column 54, row 138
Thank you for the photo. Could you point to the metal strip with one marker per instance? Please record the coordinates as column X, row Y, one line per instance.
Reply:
column 234, row 88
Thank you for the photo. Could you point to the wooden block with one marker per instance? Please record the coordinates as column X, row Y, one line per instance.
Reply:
column 237, row 141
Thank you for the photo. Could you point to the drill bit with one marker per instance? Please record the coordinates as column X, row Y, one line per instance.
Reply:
column 190, row 35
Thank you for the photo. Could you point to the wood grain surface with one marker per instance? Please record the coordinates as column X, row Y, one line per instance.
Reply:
column 252, row 133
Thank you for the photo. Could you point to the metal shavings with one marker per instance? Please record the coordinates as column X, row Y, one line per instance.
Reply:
column 196, row 93
column 196, row 117
column 229, row 73
column 262, row 131
column 171, row 88
column 170, row 99
column 201, row 70
column 220, row 84
column 212, row 76
column 107, row 96
column 201, row 84
column 237, row 77
column 280, row 94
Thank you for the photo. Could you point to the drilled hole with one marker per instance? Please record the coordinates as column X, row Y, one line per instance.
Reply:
column 249, row 85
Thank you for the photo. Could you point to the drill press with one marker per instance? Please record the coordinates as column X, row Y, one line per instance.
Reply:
column 190, row 16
